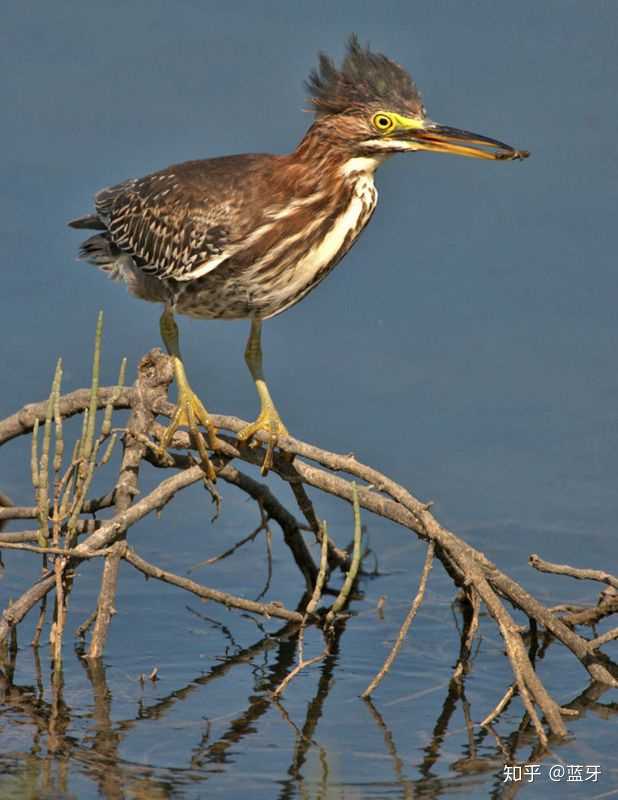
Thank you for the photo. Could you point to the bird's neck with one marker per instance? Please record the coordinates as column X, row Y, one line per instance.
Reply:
column 328, row 160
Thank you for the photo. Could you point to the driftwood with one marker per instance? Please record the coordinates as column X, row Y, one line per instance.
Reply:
column 64, row 536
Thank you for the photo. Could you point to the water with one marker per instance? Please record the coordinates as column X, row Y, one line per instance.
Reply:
column 465, row 347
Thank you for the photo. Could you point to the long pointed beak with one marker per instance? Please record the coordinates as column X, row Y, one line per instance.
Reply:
column 442, row 139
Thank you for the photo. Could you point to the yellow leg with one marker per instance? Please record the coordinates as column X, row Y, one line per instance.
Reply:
column 268, row 419
column 189, row 409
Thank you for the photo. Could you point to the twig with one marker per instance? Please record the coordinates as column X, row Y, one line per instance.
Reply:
column 226, row 553
column 310, row 609
column 403, row 631
column 17, row 610
column 305, row 506
column 43, row 507
column 264, row 609
column 19, row 512
column 322, row 574
column 42, row 480
column 336, row 555
column 590, row 616
column 573, row 572
column 522, row 679
column 350, row 578
column 298, row 668
column 269, row 560
column 106, row 426
column 23, row 420
column 604, row 638
column 38, row 630
column 473, row 625
column 60, row 611
column 82, row 630
column 83, row 526
column 5, row 504
column 275, row 510
column 500, row 706
column 111, row 529
column 85, row 475
column 56, row 551
column 88, row 441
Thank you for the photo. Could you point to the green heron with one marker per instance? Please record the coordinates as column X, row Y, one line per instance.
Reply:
column 248, row 236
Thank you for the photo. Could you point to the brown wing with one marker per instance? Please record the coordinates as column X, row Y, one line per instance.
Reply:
column 185, row 220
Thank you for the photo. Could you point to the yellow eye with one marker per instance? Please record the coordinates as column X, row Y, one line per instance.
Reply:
column 383, row 122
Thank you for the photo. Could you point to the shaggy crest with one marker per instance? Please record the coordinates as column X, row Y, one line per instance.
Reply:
column 364, row 78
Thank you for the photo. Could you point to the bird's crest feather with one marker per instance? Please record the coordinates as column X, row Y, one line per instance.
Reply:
column 365, row 78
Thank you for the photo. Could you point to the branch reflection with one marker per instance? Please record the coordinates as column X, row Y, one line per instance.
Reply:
column 47, row 736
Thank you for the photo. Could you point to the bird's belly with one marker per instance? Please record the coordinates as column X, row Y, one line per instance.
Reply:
column 283, row 275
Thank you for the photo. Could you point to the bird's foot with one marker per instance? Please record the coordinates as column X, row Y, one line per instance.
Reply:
column 191, row 413
column 270, row 422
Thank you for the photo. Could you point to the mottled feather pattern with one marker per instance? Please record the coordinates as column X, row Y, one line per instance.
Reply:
column 152, row 220
column 176, row 221
column 213, row 247
column 287, row 261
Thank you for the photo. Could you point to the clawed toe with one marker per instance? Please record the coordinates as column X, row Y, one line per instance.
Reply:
column 191, row 413
column 269, row 422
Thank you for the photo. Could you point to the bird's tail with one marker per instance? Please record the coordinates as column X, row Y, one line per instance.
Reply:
column 101, row 251
column 90, row 221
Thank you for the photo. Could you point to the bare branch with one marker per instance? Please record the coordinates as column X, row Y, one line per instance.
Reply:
column 609, row 636
column 590, row 616
column 56, row 551
column 500, row 706
column 573, row 572
column 322, row 574
column 231, row 550
column 83, row 526
column 286, row 521
column 298, row 668
column 70, row 404
column 403, row 631
column 154, row 375
column 301, row 466
column 264, row 609
column 343, row 596
column 14, row 614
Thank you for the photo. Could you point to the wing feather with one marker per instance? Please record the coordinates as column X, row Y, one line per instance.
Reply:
column 178, row 223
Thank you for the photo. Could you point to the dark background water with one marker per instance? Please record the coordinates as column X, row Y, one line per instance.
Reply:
column 466, row 346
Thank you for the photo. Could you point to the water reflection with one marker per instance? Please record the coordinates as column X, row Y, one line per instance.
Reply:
column 45, row 731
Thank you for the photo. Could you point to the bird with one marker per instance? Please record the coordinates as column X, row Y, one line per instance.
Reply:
column 249, row 236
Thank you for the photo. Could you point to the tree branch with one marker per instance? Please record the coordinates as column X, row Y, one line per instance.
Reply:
column 573, row 572
column 403, row 631
column 70, row 404
column 300, row 465
column 232, row 601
